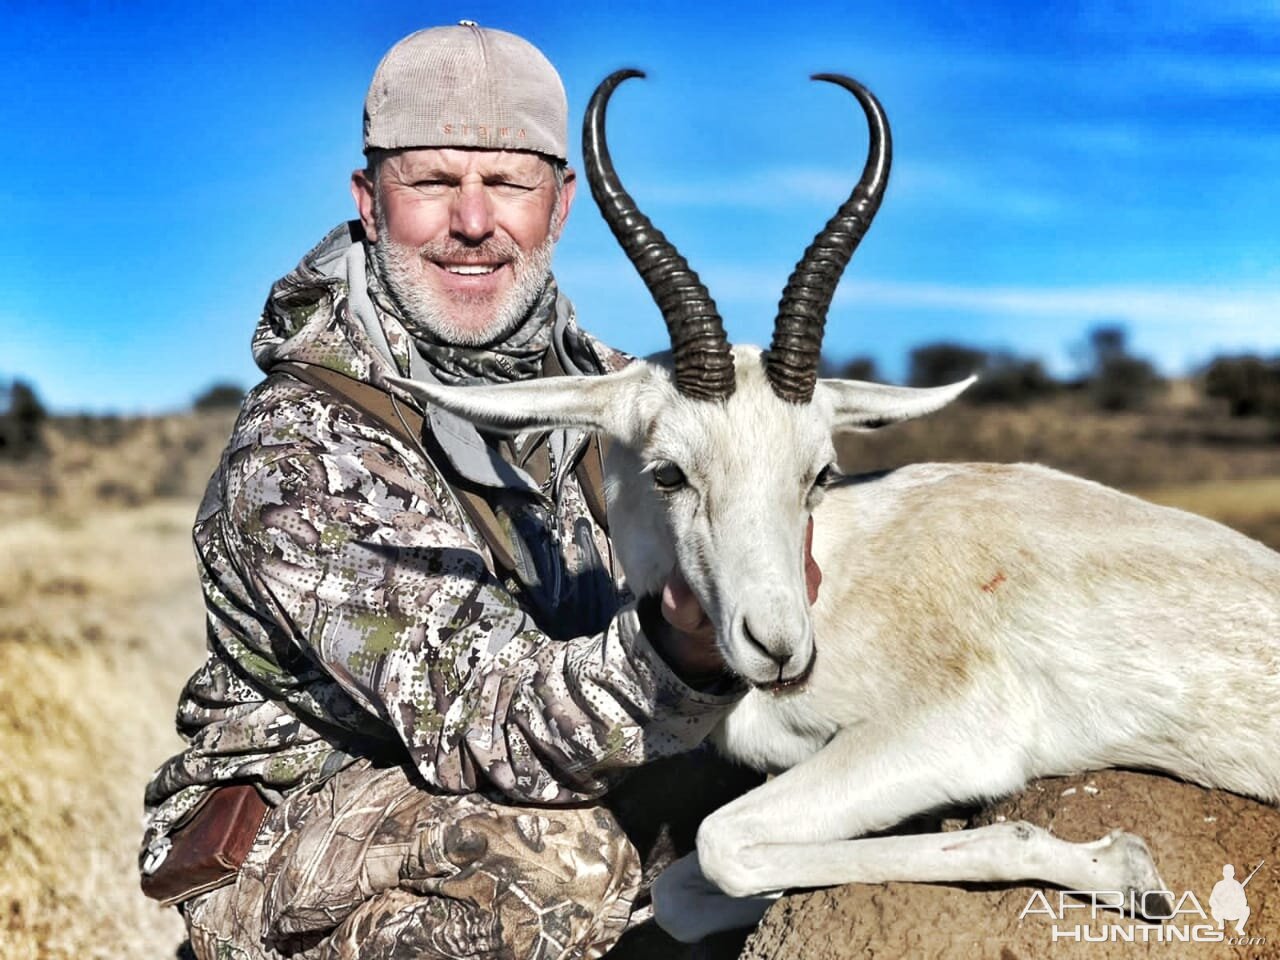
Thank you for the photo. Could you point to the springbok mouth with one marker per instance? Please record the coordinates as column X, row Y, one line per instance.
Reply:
column 779, row 687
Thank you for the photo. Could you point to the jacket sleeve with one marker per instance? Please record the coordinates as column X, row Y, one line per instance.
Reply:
column 356, row 550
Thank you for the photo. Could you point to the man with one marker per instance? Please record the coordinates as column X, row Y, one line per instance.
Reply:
column 418, row 653
column 1228, row 901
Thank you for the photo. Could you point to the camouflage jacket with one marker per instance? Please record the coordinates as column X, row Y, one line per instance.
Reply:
column 351, row 611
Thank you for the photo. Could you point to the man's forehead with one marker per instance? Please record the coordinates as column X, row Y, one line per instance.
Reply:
column 461, row 160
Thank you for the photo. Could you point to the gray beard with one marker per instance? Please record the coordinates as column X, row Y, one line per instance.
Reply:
column 400, row 266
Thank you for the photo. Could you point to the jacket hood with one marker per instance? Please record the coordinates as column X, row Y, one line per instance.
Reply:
column 321, row 313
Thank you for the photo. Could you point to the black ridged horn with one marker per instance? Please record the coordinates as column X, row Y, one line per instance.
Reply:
column 792, row 361
column 704, row 365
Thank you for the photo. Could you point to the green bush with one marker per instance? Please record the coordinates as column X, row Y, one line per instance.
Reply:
column 220, row 396
column 936, row 364
column 1003, row 377
column 1116, row 379
column 20, row 422
column 1249, row 384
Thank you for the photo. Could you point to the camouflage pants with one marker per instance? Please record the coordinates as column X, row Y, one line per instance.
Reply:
column 369, row 865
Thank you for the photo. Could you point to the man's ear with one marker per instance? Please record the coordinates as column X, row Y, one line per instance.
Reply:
column 567, row 193
column 364, row 192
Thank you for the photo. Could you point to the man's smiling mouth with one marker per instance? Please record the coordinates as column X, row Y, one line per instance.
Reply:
column 469, row 269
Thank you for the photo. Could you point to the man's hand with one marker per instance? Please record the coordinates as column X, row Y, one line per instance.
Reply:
column 690, row 646
column 812, row 572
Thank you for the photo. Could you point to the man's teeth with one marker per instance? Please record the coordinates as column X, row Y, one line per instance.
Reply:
column 470, row 269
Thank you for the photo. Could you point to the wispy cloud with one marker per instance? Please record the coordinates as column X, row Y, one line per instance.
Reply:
column 1215, row 74
column 1187, row 18
column 1159, row 67
column 955, row 187
column 988, row 189
column 1114, row 138
column 1230, row 311
column 762, row 189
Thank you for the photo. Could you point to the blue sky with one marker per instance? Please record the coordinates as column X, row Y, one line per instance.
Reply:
column 1056, row 166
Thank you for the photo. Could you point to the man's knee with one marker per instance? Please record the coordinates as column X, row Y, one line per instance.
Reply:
column 216, row 928
column 354, row 847
column 493, row 880
column 544, row 856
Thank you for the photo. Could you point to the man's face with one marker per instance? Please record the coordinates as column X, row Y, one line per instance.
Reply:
column 463, row 238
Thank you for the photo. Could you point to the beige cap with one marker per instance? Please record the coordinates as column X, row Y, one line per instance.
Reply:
column 466, row 86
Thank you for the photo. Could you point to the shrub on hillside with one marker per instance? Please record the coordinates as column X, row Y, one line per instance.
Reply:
column 1003, row 377
column 1006, row 378
column 1116, row 379
column 220, row 396
column 858, row 368
column 936, row 364
column 21, row 417
column 1124, row 383
column 855, row 368
column 1249, row 384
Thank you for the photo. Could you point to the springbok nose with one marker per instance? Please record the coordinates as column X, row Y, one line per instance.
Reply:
column 751, row 639
column 774, row 644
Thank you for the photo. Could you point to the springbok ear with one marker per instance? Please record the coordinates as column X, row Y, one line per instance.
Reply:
column 866, row 406
column 606, row 403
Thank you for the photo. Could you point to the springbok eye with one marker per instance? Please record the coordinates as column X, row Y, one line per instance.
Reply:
column 667, row 477
column 827, row 476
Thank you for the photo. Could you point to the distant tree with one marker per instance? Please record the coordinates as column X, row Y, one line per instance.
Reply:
column 855, row 368
column 219, row 397
column 1003, row 377
column 1116, row 379
column 1249, row 384
column 1008, row 378
column 21, row 420
column 1125, row 383
column 1106, row 343
column 858, row 368
column 936, row 364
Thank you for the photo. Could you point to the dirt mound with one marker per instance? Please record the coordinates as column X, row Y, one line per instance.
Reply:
column 1192, row 833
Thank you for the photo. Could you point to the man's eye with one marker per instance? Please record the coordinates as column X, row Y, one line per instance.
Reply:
column 667, row 477
column 509, row 187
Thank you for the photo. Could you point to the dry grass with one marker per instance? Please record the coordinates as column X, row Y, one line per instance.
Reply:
column 1251, row 505
column 100, row 623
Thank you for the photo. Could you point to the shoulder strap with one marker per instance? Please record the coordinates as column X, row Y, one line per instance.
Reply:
column 405, row 422
column 590, row 473
column 590, row 466
column 407, row 425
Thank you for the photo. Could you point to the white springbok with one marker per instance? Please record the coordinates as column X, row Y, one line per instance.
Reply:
column 978, row 626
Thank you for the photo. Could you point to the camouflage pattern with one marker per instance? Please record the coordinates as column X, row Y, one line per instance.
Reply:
column 352, row 611
column 371, row 865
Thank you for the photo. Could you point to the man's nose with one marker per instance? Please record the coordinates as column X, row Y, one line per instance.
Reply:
column 472, row 215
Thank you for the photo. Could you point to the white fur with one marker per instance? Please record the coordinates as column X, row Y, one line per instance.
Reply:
column 978, row 626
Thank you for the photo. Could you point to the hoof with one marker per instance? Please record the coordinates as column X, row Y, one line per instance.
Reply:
column 1145, row 893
